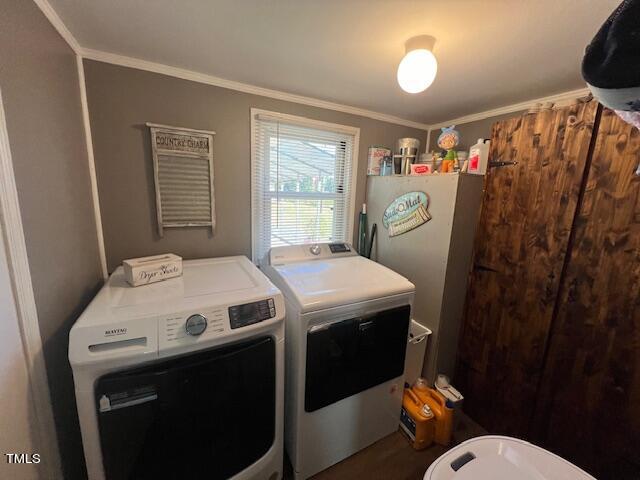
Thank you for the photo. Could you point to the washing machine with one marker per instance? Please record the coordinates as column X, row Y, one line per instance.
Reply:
column 182, row 379
column 347, row 320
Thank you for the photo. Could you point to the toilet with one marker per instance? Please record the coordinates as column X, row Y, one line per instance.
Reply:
column 495, row 457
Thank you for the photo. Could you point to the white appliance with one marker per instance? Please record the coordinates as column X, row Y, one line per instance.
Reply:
column 494, row 457
column 434, row 256
column 183, row 378
column 347, row 323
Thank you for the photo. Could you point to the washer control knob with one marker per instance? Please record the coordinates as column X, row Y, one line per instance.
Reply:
column 315, row 249
column 196, row 324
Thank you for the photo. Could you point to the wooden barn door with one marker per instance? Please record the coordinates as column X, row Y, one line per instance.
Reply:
column 521, row 242
column 589, row 406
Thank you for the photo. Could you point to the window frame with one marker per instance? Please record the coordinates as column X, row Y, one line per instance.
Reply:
column 311, row 123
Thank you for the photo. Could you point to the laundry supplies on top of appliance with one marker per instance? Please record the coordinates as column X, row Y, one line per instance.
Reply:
column 145, row 270
column 406, row 155
column 420, row 169
column 376, row 156
column 408, row 147
column 386, row 168
column 479, row 157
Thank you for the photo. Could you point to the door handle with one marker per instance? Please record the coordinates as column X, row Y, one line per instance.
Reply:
column 482, row 268
column 106, row 405
column 502, row 164
column 327, row 324
column 365, row 325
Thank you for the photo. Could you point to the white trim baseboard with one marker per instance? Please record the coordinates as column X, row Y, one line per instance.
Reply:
column 92, row 167
column 26, row 305
column 185, row 74
column 516, row 107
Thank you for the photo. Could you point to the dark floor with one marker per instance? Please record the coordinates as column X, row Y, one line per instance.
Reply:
column 392, row 458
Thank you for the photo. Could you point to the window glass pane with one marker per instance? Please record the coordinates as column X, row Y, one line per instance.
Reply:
column 301, row 185
column 301, row 165
column 296, row 221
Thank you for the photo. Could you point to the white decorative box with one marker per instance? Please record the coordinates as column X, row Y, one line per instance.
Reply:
column 144, row 270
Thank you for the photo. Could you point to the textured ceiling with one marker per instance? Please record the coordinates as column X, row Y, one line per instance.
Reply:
column 491, row 53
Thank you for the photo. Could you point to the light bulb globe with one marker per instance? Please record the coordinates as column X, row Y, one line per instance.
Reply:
column 417, row 71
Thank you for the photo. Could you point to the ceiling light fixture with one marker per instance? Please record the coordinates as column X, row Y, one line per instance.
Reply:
column 418, row 68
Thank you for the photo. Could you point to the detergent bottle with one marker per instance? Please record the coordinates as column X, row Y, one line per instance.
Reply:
column 479, row 157
column 417, row 420
column 438, row 405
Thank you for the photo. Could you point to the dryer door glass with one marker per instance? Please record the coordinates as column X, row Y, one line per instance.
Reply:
column 206, row 415
column 350, row 356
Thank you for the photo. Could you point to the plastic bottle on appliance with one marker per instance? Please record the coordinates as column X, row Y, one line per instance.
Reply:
column 479, row 157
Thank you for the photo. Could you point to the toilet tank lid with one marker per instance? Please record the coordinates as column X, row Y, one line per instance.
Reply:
column 495, row 457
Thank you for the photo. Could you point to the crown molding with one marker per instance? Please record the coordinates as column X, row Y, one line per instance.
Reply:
column 185, row 74
column 58, row 24
column 516, row 107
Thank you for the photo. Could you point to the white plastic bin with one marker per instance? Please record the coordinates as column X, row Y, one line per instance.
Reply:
column 416, row 348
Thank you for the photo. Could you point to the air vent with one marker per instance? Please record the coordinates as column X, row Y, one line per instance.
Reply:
column 183, row 171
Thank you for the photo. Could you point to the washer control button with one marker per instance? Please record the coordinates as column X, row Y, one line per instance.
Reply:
column 315, row 249
column 196, row 324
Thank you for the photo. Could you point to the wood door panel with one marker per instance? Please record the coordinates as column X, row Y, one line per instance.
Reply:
column 589, row 403
column 521, row 242
column 495, row 225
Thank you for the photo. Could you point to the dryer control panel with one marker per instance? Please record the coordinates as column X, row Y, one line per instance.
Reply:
column 313, row 251
column 250, row 313
column 184, row 328
column 207, row 324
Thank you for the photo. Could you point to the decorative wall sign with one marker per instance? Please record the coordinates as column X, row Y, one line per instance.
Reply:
column 406, row 212
column 183, row 171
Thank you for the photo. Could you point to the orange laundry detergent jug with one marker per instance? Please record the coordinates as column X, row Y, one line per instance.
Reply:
column 417, row 420
column 438, row 405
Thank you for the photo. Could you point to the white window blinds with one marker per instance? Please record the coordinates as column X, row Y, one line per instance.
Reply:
column 302, row 173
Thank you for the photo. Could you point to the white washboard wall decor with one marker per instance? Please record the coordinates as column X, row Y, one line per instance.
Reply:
column 183, row 173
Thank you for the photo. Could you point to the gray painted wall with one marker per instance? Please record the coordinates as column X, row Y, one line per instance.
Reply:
column 122, row 99
column 40, row 89
column 472, row 131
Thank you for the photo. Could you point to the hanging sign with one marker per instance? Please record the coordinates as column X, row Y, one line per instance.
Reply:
column 183, row 174
column 406, row 212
